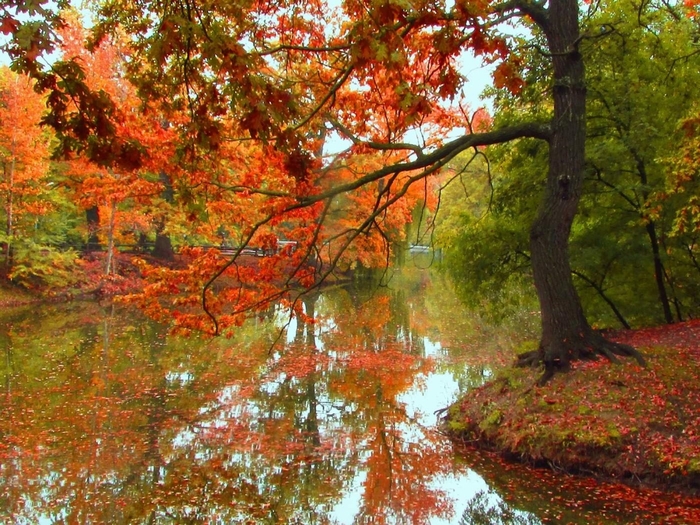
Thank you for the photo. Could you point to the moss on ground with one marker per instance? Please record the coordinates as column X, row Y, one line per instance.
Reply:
column 633, row 424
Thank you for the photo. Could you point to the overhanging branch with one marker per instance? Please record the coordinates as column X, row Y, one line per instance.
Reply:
column 535, row 10
column 424, row 165
column 439, row 156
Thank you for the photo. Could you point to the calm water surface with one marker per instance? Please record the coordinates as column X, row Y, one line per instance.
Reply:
column 106, row 418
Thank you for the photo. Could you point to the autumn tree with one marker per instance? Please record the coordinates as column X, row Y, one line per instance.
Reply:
column 23, row 152
column 34, row 211
column 125, row 199
column 683, row 191
column 373, row 73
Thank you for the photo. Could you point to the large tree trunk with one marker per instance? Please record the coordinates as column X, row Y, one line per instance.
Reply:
column 566, row 333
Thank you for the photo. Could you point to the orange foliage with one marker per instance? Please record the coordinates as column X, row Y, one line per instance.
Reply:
column 683, row 179
column 242, row 133
column 24, row 152
column 127, row 199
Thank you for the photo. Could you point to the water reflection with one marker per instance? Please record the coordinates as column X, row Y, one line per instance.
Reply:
column 105, row 418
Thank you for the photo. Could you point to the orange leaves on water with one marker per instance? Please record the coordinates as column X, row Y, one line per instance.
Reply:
column 391, row 366
column 300, row 362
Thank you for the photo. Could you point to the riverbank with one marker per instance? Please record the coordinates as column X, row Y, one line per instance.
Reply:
column 14, row 296
column 86, row 279
column 636, row 425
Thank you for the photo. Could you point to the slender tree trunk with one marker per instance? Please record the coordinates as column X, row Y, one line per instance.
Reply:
column 659, row 271
column 601, row 292
column 92, row 215
column 10, row 214
column 109, row 265
column 163, row 248
column 673, row 298
column 566, row 333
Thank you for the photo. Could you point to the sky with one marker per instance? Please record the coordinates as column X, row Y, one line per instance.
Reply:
column 477, row 73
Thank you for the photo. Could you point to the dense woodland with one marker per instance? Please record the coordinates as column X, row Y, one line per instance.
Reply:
column 330, row 137
column 634, row 243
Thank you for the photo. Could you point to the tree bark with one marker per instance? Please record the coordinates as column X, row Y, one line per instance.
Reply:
column 109, row 264
column 566, row 333
column 92, row 215
column 659, row 272
column 163, row 248
column 650, row 227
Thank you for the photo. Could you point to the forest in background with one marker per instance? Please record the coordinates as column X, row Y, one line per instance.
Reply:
column 634, row 244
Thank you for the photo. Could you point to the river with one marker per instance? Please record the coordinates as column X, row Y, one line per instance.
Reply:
column 107, row 418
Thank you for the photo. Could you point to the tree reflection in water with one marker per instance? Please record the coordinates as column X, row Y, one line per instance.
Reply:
column 105, row 418
column 486, row 508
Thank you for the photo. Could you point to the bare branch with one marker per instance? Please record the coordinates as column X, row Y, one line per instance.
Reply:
column 311, row 49
column 340, row 80
column 382, row 146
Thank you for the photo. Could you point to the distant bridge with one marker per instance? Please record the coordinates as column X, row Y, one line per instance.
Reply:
column 417, row 249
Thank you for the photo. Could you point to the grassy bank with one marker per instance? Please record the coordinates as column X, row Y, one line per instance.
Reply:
column 633, row 424
column 85, row 279
column 14, row 296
